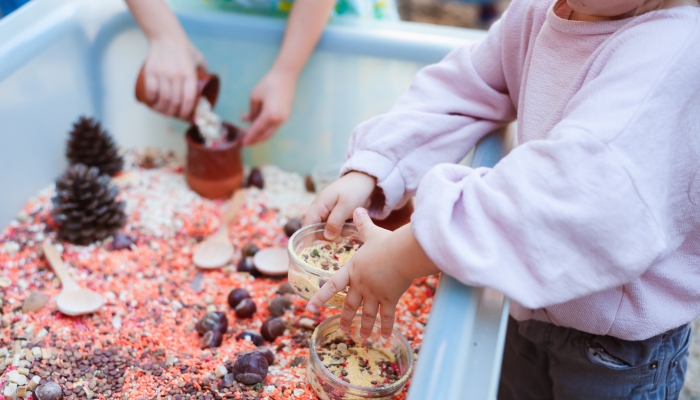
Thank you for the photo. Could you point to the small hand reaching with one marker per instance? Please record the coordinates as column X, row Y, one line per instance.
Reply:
column 335, row 204
column 377, row 275
column 270, row 106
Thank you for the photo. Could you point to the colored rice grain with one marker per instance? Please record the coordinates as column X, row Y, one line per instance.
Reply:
column 143, row 344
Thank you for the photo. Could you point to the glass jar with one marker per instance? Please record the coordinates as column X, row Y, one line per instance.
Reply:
column 305, row 279
column 329, row 387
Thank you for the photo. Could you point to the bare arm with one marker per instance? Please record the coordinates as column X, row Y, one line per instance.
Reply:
column 170, row 68
column 271, row 99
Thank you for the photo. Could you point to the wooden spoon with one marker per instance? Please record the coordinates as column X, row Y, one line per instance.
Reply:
column 273, row 261
column 73, row 300
column 217, row 250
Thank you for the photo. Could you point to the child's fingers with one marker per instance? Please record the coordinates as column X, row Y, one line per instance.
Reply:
column 369, row 316
column 387, row 316
column 151, row 87
column 320, row 209
column 352, row 302
column 339, row 214
column 163, row 95
column 255, row 108
column 363, row 222
column 338, row 282
column 189, row 93
column 174, row 105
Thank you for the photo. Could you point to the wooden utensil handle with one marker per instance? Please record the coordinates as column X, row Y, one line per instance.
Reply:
column 237, row 200
column 58, row 266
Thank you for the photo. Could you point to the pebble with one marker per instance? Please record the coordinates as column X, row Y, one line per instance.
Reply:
column 34, row 302
column 307, row 323
column 298, row 392
column 221, row 371
column 5, row 281
column 17, row 378
column 10, row 390
column 117, row 322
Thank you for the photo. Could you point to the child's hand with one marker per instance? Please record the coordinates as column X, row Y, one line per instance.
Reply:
column 378, row 274
column 270, row 106
column 171, row 75
column 336, row 203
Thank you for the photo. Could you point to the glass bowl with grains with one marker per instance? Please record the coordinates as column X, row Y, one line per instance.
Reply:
column 343, row 365
column 313, row 259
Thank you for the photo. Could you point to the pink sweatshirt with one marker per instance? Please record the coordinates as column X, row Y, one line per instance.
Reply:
column 593, row 221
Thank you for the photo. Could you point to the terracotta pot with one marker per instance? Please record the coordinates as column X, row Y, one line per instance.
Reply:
column 214, row 173
column 207, row 86
column 397, row 218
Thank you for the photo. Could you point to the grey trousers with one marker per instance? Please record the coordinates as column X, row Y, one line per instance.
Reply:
column 544, row 361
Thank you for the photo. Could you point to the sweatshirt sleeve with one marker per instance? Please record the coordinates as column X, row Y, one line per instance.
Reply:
column 584, row 210
column 448, row 108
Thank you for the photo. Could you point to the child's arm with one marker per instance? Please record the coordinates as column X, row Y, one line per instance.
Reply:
column 449, row 107
column 170, row 68
column 271, row 99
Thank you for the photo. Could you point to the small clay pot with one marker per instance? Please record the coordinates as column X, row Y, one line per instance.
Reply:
column 207, row 86
column 397, row 218
column 214, row 173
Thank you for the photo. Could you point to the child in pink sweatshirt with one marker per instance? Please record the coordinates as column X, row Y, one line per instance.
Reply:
column 591, row 225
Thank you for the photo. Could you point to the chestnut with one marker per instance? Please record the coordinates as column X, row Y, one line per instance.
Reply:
column 292, row 226
column 309, row 183
column 279, row 305
column 265, row 351
column 236, row 296
column 211, row 339
column 246, row 308
column 250, row 368
column 249, row 250
column 49, row 391
column 253, row 336
column 256, row 179
column 213, row 321
column 122, row 241
column 285, row 288
column 246, row 265
column 272, row 329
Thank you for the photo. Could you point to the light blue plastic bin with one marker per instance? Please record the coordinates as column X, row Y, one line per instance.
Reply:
column 63, row 58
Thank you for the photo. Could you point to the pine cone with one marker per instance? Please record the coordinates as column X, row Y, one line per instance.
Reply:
column 85, row 205
column 94, row 147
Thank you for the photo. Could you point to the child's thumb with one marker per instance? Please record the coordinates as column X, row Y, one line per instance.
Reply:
column 363, row 222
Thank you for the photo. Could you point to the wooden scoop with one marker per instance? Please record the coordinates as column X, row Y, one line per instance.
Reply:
column 73, row 300
column 217, row 250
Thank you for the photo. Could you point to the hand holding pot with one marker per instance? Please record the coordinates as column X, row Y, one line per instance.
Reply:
column 170, row 76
